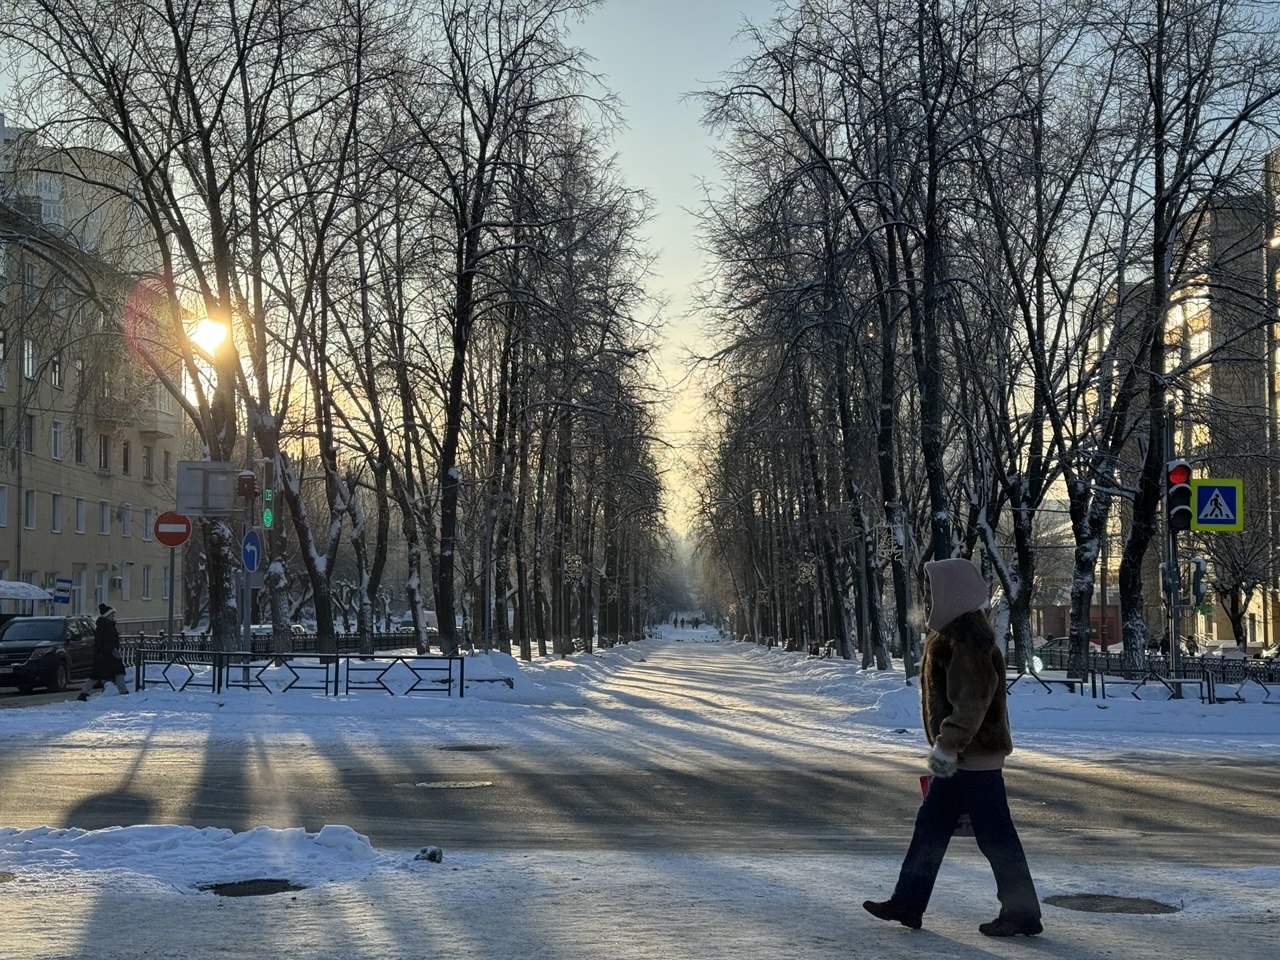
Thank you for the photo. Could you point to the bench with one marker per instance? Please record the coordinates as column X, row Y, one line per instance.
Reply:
column 823, row 651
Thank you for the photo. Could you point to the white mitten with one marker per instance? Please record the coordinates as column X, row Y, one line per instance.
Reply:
column 942, row 762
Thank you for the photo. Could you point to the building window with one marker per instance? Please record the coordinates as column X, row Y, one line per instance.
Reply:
column 104, row 452
column 104, row 518
column 148, row 462
column 126, row 450
column 57, row 294
column 80, row 512
column 146, row 582
column 77, row 592
column 55, row 440
column 30, row 283
column 4, row 508
column 168, row 466
column 100, row 586
column 29, row 358
column 29, row 433
column 92, row 228
column 55, row 370
column 147, row 524
column 126, row 520
column 55, row 512
column 49, row 189
column 27, row 607
column 125, row 581
column 79, row 442
column 29, row 509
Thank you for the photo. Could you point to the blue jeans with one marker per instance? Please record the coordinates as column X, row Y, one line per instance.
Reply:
column 979, row 793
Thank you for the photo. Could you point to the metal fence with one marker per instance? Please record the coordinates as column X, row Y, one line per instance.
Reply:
column 191, row 668
column 263, row 645
column 1223, row 669
column 1215, row 678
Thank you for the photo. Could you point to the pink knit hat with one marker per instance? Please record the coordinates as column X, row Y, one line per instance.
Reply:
column 955, row 587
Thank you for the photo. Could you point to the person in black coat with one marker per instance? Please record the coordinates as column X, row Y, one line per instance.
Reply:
column 107, row 663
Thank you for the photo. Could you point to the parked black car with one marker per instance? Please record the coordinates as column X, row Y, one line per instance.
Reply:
column 46, row 652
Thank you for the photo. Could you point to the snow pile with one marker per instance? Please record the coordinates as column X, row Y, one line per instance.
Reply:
column 186, row 858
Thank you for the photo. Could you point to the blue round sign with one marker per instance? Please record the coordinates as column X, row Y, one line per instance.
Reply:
column 251, row 551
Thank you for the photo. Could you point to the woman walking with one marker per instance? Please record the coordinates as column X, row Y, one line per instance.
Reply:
column 107, row 663
column 962, row 702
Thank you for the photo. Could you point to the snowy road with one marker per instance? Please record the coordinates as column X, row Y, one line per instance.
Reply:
column 702, row 801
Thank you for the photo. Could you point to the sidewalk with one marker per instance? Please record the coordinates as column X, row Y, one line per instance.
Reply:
column 536, row 905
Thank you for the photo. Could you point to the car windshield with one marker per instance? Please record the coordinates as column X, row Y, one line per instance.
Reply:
column 32, row 630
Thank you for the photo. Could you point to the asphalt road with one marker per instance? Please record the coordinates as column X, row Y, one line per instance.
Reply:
column 484, row 799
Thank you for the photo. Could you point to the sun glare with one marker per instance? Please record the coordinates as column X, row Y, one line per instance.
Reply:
column 208, row 334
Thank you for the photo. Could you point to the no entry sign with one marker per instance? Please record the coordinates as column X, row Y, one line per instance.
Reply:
column 172, row 529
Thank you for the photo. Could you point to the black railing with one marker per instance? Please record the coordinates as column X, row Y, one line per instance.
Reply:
column 1222, row 669
column 182, row 668
column 264, row 644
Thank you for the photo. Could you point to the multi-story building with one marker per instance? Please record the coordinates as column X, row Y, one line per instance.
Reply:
column 89, row 439
column 1222, row 363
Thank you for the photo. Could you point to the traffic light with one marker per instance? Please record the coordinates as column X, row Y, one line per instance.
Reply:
column 246, row 485
column 1177, row 495
column 268, row 493
column 1198, row 586
column 1168, row 582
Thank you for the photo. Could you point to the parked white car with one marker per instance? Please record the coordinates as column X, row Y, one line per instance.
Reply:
column 431, row 624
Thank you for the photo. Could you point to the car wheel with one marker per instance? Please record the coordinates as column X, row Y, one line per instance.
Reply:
column 58, row 681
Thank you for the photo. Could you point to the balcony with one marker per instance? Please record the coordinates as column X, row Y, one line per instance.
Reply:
column 114, row 410
column 156, row 424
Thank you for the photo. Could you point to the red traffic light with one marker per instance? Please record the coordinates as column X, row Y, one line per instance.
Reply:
column 1177, row 495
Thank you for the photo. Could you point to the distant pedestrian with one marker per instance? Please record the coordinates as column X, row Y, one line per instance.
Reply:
column 108, row 665
column 962, row 701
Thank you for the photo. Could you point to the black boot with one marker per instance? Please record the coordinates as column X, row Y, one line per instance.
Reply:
column 83, row 696
column 1011, row 927
column 888, row 910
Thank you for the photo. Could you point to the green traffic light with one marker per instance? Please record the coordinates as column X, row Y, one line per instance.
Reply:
column 267, row 517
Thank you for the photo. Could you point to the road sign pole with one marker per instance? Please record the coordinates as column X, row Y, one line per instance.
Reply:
column 1175, row 597
column 173, row 551
column 172, row 529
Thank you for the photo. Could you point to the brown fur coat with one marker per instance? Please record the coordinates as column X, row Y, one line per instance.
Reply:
column 962, row 693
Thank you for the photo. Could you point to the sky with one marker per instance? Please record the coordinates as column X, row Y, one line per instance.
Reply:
column 135, row 891
column 653, row 54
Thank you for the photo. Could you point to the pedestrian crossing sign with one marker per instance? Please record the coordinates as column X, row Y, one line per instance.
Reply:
column 1217, row 504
